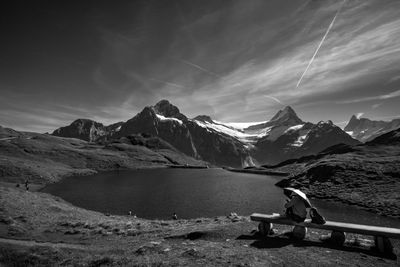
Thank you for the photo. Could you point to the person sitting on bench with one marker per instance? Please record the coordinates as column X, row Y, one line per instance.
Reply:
column 296, row 208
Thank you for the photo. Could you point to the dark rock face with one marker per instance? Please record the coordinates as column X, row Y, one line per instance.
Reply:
column 365, row 130
column 216, row 147
column 168, row 126
column 186, row 135
column 165, row 108
column 203, row 118
column 84, row 129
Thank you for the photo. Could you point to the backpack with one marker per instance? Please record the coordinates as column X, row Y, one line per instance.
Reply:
column 316, row 217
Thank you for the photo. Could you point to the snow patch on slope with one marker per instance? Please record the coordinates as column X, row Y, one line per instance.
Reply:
column 241, row 125
column 162, row 118
column 294, row 128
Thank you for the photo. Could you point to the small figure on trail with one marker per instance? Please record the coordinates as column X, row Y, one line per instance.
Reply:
column 296, row 207
column 130, row 213
column 26, row 185
column 174, row 216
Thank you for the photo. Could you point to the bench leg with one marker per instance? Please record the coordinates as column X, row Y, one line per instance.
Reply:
column 383, row 244
column 299, row 232
column 264, row 228
column 337, row 238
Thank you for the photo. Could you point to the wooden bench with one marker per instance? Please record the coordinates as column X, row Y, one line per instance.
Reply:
column 381, row 234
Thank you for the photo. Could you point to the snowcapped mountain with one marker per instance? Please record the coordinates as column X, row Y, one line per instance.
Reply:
column 282, row 137
column 165, row 121
column 364, row 129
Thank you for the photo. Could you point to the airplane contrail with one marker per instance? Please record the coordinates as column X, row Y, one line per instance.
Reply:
column 320, row 44
column 199, row 67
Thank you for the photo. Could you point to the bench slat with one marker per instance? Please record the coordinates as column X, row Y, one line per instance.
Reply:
column 330, row 225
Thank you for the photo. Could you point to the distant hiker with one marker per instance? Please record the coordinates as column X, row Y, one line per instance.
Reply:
column 296, row 207
column 26, row 185
column 130, row 213
column 174, row 216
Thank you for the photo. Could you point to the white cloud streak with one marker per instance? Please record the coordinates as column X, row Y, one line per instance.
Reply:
column 372, row 98
column 274, row 98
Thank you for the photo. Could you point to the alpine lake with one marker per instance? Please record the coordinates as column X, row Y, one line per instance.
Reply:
column 192, row 193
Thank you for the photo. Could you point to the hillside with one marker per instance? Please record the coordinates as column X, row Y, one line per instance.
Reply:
column 365, row 175
column 43, row 158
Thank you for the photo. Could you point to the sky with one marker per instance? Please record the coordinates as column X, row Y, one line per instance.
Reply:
column 237, row 61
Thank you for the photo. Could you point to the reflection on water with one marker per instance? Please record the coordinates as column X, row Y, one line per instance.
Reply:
column 191, row 193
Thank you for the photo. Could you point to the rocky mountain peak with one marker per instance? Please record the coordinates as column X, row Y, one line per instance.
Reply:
column 353, row 123
column 286, row 116
column 84, row 129
column 85, row 122
column 203, row 118
column 166, row 109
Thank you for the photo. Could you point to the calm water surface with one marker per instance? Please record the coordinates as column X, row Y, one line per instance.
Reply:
column 191, row 193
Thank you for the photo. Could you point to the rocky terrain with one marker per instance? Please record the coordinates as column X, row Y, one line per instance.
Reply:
column 37, row 229
column 282, row 137
column 87, row 130
column 42, row 158
column 366, row 175
column 364, row 129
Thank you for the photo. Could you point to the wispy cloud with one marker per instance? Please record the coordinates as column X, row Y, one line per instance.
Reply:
column 167, row 83
column 375, row 106
column 371, row 98
column 274, row 98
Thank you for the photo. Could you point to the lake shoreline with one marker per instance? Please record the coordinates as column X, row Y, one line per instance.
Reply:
column 40, row 229
column 320, row 196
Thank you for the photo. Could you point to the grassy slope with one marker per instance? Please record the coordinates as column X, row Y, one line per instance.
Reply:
column 366, row 175
column 37, row 228
column 44, row 158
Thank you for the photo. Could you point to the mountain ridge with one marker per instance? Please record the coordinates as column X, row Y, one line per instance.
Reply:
column 364, row 129
column 284, row 136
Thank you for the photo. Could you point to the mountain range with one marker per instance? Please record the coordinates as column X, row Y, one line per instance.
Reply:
column 364, row 129
column 282, row 137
